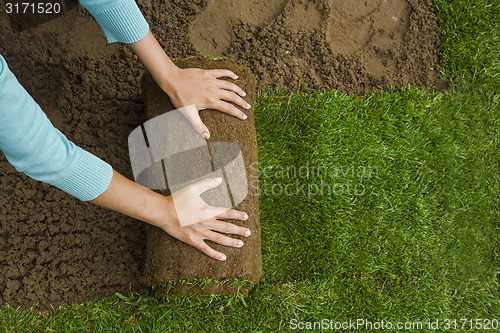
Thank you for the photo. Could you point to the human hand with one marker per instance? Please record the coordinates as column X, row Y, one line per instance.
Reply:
column 204, row 89
column 192, row 220
column 191, row 86
column 184, row 215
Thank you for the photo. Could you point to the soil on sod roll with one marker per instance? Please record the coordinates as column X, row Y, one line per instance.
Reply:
column 56, row 250
column 170, row 260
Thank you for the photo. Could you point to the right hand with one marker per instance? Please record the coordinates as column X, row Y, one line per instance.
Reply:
column 192, row 220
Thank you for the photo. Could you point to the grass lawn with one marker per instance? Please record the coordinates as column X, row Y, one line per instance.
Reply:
column 376, row 207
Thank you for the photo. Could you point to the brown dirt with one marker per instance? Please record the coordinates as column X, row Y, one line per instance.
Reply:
column 353, row 46
column 168, row 259
column 26, row 19
column 55, row 249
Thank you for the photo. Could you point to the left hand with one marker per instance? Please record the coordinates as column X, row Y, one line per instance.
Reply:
column 191, row 86
column 204, row 89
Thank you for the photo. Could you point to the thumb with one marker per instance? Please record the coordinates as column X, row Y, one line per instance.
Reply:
column 206, row 133
column 206, row 184
column 193, row 116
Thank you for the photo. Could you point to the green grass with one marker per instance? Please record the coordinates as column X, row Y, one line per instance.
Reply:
column 409, row 232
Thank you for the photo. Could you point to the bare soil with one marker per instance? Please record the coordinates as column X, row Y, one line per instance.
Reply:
column 56, row 250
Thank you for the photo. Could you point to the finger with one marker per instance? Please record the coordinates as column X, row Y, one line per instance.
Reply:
column 224, row 240
column 227, row 228
column 229, row 109
column 206, row 184
column 231, row 87
column 233, row 215
column 203, row 247
column 232, row 97
column 217, row 73
column 206, row 132
column 193, row 116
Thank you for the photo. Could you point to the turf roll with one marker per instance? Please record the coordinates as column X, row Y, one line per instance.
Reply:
column 179, row 268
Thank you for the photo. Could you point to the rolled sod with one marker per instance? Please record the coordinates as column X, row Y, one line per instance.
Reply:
column 178, row 267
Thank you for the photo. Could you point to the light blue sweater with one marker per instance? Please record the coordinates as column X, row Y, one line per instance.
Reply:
column 28, row 139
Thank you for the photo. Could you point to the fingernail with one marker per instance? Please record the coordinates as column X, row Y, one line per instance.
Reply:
column 244, row 94
column 240, row 244
column 223, row 258
column 218, row 179
column 245, row 216
column 248, row 106
column 245, row 116
column 236, row 76
column 247, row 233
column 206, row 135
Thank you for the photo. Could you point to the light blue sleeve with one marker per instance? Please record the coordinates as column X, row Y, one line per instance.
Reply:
column 120, row 20
column 33, row 146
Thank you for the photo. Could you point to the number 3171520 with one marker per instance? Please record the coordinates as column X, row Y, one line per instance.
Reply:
column 33, row 8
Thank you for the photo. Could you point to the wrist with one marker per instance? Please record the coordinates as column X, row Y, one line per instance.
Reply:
column 167, row 79
column 139, row 202
column 156, row 61
column 165, row 215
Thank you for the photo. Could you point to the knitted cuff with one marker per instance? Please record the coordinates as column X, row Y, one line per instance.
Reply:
column 122, row 22
column 89, row 179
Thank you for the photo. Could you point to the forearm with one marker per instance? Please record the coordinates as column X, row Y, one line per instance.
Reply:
column 33, row 146
column 136, row 201
column 155, row 59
